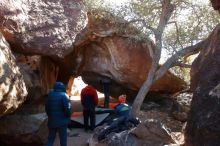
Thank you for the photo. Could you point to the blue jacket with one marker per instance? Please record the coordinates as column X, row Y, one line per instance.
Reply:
column 58, row 106
column 122, row 109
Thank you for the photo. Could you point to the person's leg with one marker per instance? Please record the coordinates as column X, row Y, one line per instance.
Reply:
column 51, row 136
column 86, row 119
column 92, row 119
column 63, row 135
column 106, row 93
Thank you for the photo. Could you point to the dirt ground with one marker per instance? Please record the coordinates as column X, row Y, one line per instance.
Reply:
column 78, row 138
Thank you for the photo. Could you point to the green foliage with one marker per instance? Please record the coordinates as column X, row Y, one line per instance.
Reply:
column 115, row 19
column 149, row 10
column 93, row 4
column 194, row 21
column 190, row 22
column 183, row 73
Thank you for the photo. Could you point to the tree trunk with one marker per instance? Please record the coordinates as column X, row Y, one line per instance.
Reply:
column 156, row 73
column 167, row 9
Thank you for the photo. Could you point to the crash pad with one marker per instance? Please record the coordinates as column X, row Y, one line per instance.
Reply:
column 111, row 105
column 101, row 110
column 79, row 118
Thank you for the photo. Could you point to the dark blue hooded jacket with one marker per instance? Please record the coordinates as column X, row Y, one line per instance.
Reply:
column 58, row 107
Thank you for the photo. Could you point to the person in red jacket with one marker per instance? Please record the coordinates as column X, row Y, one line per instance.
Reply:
column 89, row 100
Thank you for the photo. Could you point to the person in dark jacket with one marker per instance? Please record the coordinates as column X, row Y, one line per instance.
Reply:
column 122, row 109
column 89, row 100
column 58, row 109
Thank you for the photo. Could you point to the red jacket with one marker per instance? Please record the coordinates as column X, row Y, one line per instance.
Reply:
column 88, row 90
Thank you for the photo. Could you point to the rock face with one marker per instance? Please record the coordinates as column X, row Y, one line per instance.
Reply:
column 29, row 66
column 41, row 26
column 49, row 72
column 12, row 86
column 102, row 51
column 215, row 91
column 25, row 130
column 203, row 126
column 124, row 61
column 216, row 4
column 153, row 133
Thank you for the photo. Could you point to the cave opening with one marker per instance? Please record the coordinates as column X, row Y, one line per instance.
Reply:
column 74, row 87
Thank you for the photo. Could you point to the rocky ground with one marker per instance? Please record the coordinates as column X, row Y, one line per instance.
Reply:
column 77, row 137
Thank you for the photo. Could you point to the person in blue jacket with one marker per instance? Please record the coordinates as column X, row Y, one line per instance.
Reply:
column 122, row 109
column 58, row 109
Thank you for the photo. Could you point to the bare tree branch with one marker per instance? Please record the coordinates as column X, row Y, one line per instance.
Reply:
column 150, row 50
column 184, row 65
column 172, row 60
column 177, row 32
column 167, row 9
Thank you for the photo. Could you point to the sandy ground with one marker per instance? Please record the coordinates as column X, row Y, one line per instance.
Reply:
column 79, row 138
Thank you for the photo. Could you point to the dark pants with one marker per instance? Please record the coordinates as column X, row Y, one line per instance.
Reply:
column 89, row 115
column 106, row 93
column 62, row 134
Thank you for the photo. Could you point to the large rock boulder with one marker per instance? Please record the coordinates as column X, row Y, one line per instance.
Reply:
column 25, row 130
column 150, row 133
column 41, row 26
column 111, row 50
column 12, row 86
column 153, row 132
column 203, row 126
column 126, row 63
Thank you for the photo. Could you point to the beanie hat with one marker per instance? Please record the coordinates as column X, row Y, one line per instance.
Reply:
column 122, row 98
